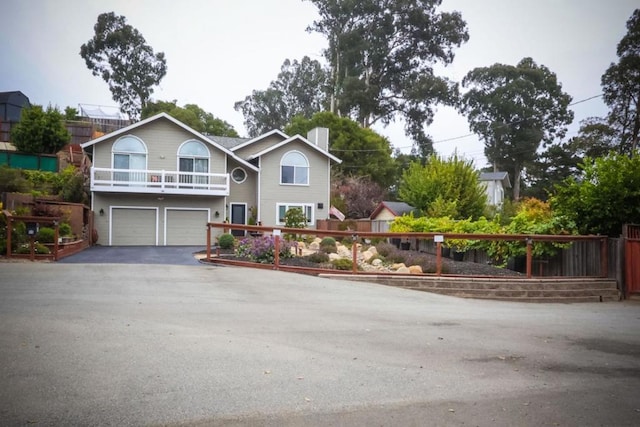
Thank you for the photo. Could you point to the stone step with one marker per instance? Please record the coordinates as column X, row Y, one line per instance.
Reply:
column 611, row 294
column 564, row 290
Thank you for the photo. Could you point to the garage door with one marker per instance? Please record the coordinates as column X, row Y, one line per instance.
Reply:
column 186, row 227
column 133, row 227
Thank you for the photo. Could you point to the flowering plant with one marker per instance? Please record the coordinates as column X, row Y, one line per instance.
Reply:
column 262, row 249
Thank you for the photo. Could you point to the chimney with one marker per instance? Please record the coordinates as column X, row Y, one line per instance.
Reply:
column 320, row 137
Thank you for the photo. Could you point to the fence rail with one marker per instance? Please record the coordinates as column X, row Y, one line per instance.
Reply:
column 591, row 250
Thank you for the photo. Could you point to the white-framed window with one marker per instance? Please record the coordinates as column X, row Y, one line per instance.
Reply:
column 282, row 208
column 193, row 157
column 129, row 152
column 238, row 175
column 294, row 169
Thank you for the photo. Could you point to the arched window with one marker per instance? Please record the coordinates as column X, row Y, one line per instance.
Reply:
column 294, row 169
column 129, row 152
column 193, row 156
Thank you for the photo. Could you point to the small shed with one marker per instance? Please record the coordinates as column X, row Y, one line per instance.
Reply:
column 494, row 184
column 387, row 211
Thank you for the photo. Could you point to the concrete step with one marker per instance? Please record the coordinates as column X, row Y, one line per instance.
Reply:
column 597, row 294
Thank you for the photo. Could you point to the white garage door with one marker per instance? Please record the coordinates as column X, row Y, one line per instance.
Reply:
column 186, row 227
column 133, row 227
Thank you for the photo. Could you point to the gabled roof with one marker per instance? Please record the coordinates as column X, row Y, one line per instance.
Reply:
column 163, row 115
column 259, row 138
column 295, row 138
column 227, row 141
column 396, row 208
column 496, row 176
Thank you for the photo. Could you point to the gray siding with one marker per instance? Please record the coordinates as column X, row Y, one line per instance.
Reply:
column 256, row 147
column 162, row 139
column 245, row 192
column 273, row 192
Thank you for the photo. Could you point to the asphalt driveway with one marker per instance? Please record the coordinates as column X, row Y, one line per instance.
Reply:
column 148, row 344
column 170, row 255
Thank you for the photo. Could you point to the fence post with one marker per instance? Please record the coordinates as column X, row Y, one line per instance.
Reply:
column 208, row 241
column 56, row 236
column 354, row 253
column 438, row 259
column 276, row 249
column 604, row 257
column 529, row 257
column 9, row 232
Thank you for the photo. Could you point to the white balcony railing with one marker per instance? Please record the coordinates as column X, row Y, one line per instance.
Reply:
column 159, row 182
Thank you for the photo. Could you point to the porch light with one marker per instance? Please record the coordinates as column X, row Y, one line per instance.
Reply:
column 217, row 214
column 101, row 212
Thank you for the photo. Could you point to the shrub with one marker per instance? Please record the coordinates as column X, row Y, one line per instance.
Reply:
column 328, row 245
column 46, row 235
column 342, row 264
column 226, row 241
column 262, row 249
column 318, row 258
column 65, row 229
column 38, row 248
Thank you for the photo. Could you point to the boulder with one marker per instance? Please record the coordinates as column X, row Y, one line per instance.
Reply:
column 415, row 269
column 398, row 266
column 403, row 270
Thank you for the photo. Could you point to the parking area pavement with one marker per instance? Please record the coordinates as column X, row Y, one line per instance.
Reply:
column 149, row 344
column 174, row 255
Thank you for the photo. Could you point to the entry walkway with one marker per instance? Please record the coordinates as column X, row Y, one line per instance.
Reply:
column 170, row 255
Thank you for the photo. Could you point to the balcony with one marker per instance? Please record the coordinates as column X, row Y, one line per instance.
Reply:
column 159, row 182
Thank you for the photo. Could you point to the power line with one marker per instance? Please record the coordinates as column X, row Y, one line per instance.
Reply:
column 454, row 138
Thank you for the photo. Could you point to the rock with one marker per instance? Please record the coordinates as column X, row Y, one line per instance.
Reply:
column 367, row 255
column 344, row 252
column 415, row 269
column 403, row 270
column 376, row 262
column 333, row 257
column 315, row 245
column 373, row 250
column 301, row 245
column 398, row 266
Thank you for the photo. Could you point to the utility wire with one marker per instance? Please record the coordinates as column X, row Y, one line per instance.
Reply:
column 455, row 138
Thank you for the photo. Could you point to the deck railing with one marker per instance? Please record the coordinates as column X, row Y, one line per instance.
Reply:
column 159, row 181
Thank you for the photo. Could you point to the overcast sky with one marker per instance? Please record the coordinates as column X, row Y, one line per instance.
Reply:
column 219, row 51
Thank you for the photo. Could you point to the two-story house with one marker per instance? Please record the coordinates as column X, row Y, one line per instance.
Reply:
column 158, row 182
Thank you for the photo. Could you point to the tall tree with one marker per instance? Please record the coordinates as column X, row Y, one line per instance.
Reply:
column 514, row 109
column 355, row 196
column 561, row 160
column 621, row 87
column 40, row 131
column 191, row 115
column 381, row 54
column 363, row 152
column 119, row 54
column 299, row 90
column 444, row 186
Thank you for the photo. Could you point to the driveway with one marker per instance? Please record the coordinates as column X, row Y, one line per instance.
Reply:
column 173, row 255
column 140, row 344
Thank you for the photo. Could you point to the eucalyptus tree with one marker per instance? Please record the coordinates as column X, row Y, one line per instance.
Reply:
column 514, row 109
column 382, row 54
column 299, row 90
column 621, row 87
column 120, row 55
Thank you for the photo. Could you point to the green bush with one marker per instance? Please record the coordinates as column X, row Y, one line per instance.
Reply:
column 65, row 229
column 38, row 248
column 342, row 264
column 328, row 245
column 318, row 257
column 46, row 235
column 226, row 241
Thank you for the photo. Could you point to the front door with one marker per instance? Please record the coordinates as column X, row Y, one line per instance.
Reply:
column 238, row 216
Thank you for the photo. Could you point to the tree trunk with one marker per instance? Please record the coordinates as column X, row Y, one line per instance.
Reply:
column 516, row 183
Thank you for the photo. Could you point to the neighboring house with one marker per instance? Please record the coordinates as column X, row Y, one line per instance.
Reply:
column 158, row 182
column 387, row 211
column 494, row 184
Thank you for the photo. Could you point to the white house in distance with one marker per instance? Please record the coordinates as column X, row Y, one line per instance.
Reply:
column 494, row 184
column 158, row 182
